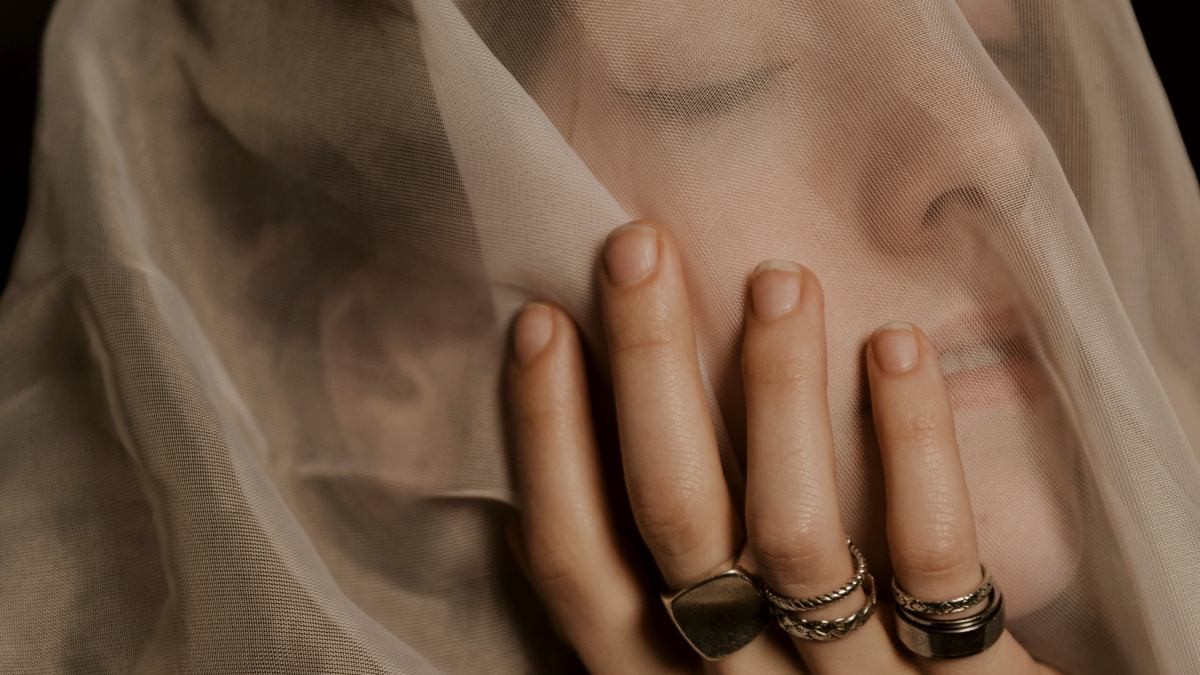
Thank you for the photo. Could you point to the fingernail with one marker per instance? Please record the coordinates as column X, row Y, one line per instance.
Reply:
column 775, row 290
column 895, row 347
column 631, row 254
column 532, row 332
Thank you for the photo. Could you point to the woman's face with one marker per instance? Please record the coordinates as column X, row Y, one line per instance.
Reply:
column 889, row 169
column 794, row 151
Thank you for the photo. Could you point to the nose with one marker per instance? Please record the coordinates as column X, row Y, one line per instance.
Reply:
column 950, row 154
column 947, row 192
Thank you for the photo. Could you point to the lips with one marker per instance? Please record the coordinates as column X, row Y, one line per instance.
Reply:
column 986, row 358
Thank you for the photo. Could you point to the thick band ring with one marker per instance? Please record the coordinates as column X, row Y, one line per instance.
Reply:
column 963, row 602
column 951, row 638
column 786, row 604
column 825, row 630
column 720, row 614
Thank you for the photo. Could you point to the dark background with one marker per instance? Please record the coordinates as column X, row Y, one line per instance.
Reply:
column 22, row 23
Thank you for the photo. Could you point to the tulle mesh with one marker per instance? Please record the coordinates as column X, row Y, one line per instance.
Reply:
column 250, row 412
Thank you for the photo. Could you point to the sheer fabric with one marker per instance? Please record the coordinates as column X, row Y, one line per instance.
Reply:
column 250, row 410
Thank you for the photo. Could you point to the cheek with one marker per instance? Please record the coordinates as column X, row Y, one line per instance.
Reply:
column 1021, row 470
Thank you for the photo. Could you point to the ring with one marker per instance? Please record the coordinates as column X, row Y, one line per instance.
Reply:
column 824, row 630
column 963, row 602
column 786, row 604
column 719, row 615
column 951, row 638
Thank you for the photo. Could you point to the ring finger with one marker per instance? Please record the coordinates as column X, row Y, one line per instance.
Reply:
column 792, row 514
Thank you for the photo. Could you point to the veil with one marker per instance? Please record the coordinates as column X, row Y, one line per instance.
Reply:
column 250, row 356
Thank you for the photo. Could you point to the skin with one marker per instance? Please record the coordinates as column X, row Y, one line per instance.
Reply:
column 579, row 559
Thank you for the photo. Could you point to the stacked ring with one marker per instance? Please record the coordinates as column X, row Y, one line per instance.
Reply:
column 789, row 611
column 923, row 630
column 787, row 604
column 825, row 630
column 958, row 604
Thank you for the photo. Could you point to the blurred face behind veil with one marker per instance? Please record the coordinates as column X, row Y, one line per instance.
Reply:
column 754, row 132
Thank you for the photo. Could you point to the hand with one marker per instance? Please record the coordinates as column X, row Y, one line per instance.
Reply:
column 791, row 534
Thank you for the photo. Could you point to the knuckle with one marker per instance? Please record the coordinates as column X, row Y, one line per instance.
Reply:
column 935, row 557
column 803, row 367
column 555, row 568
column 571, row 586
column 669, row 524
column 649, row 339
column 918, row 429
column 585, row 619
column 791, row 555
column 537, row 413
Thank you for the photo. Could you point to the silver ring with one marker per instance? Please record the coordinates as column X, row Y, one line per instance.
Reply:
column 719, row 615
column 951, row 638
column 937, row 607
column 786, row 604
column 825, row 630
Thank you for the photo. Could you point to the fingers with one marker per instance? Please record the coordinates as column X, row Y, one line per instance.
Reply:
column 673, row 473
column 792, row 515
column 669, row 452
column 571, row 549
column 930, row 524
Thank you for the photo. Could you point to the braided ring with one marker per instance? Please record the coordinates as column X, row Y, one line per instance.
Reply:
column 936, row 607
column 825, row 630
column 786, row 604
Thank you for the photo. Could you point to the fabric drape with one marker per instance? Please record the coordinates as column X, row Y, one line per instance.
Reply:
column 251, row 414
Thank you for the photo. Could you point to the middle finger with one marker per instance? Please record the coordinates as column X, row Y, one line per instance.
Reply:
column 792, row 514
